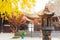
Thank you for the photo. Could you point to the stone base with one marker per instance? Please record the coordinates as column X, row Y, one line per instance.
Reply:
column 46, row 34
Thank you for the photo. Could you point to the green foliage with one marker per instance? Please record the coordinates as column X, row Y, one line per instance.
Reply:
column 23, row 33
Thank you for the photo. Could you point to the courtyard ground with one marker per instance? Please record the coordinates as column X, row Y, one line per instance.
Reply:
column 8, row 36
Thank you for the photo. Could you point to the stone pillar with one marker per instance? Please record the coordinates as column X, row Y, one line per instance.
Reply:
column 46, row 28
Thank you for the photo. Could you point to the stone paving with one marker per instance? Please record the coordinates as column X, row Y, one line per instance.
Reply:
column 8, row 36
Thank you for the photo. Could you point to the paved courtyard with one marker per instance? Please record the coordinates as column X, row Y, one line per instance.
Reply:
column 8, row 36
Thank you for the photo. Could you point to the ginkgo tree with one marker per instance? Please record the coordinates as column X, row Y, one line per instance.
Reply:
column 13, row 9
column 16, row 5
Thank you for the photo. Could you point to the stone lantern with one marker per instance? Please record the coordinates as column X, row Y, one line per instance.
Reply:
column 47, row 26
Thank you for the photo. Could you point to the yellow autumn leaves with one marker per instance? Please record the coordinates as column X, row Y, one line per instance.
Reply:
column 6, row 5
column 10, row 6
column 27, row 3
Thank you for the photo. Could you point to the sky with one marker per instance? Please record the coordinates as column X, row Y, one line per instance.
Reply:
column 40, row 4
